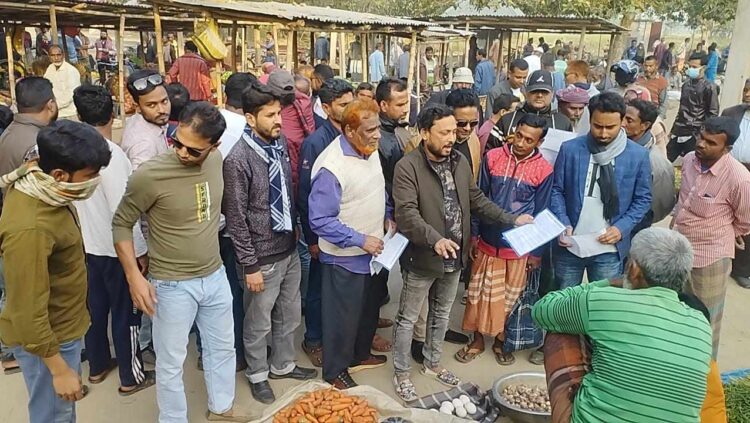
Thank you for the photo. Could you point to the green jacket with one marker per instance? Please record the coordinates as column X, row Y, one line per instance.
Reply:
column 420, row 213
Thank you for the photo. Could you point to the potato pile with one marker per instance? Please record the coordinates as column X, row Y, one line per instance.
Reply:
column 327, row 406
column 528, row 397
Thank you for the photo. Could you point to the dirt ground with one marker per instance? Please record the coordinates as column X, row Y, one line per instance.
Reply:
column 104, row 405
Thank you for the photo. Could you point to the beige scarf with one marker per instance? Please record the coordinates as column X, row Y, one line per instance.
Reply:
column 32, row 181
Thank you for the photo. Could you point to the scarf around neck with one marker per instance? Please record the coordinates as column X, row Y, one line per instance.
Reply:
column 603, row 155
column 32, row 181
column 278, row 197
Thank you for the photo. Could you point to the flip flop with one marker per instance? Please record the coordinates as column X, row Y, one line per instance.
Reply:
column 503, row 358
column 381, row 344
column 467, row 354
column 149, row 381
column 97, row 379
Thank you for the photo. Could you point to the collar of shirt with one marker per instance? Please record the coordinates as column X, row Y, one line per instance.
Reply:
column 348, row 150
column 716, row 169
column 26, row 119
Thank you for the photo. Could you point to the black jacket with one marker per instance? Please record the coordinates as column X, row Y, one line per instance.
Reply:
column 508, row 123
column 736, row 112
column 699, row 101
column 389, row 150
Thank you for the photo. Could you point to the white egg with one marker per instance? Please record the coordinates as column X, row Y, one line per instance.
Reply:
column 448, row 405
column 464, row 399
column 461, row 412
column 471, row 408
column 457, row 403
column 446, row 410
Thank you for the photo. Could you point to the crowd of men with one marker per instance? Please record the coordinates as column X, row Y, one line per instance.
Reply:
column 229, row 223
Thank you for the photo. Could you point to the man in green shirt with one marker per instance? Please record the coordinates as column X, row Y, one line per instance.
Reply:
column 650, row 351
column 45, row 314
column 180, row 193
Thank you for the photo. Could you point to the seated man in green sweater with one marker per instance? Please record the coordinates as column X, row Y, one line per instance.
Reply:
column 650, row 351
column 45, row 314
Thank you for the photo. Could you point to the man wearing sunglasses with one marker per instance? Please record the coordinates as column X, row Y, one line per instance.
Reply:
column 465, row 110
column 539, row 93
column 180, row 192
column 145, row 133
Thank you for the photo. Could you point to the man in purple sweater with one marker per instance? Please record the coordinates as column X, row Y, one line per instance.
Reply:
column 348, row 213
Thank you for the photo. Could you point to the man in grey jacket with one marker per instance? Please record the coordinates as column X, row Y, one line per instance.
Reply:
column 513, row 85
column 258, row 204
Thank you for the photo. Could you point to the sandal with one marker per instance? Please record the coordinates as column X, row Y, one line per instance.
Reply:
column 381, row 344
column 405, row 389
column 149, row 381
column 503, row 358
column 97, row 379
column 467, row 354
column 384, row 323
column 537, row 357
column 444, row 376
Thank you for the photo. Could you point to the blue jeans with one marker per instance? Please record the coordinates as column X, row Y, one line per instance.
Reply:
column 44, row 404
column 569, row 267
column 206, row 301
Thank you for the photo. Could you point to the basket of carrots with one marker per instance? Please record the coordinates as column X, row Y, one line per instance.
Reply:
column 327, row 406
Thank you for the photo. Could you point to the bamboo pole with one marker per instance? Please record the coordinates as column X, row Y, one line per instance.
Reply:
column 11, row 65
column 412, row 61
column 256, row 42
column 332, row 49
column 245, row 46
column 233, row 47
column 53, row 24
column 290, row 50
column 580, row 43
column 121, row 69
column 275, row 35
column 180, row 43
column 342, row 55
column 499, row 59
column 417, row 59
column 159, row 43
column 466, row 53
column 365, row 59
column 217, row 82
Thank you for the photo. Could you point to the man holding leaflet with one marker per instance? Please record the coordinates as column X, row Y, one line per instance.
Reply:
column 601, row 190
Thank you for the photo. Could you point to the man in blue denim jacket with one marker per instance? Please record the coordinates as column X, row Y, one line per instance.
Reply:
column 601, row 190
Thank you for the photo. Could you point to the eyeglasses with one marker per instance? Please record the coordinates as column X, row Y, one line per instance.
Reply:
column 471, row 123
column 141, row 84
column 177, row 145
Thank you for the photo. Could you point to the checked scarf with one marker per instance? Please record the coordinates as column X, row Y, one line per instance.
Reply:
column 32, row 181
column 278, row 196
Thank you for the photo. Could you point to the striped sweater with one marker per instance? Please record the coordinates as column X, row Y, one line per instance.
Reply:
column 650, row 356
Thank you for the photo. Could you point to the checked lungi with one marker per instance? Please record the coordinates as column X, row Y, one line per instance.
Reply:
column 709, row 284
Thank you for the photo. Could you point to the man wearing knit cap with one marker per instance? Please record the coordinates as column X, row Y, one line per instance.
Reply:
column 572, row 102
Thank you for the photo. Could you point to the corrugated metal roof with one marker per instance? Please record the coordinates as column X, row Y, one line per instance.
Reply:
column 293, row 12
column 465, row 8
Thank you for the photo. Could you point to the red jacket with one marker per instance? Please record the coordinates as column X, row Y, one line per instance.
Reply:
column 296, row 124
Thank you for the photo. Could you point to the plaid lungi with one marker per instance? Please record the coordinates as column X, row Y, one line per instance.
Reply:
column 494, row 288
column 709, row 284
column 567, row 359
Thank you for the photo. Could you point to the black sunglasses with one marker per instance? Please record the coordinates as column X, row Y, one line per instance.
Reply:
column 177, row 145
column 471, row 123
column 141, row 84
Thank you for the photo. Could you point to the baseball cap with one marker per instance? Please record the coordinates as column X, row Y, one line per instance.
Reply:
column 281, row 82
column 539, row 80
column 463, row 76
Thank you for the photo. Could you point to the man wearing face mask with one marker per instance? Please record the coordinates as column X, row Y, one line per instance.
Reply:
column 335, row 95
column 539, row 92
column 145, row 133
column 348, row 212
column 699, row 101
column 188, row 282
column 258, row 179
column 598, row 205
column 45, row 314
column 37, row 108
column 64, row 78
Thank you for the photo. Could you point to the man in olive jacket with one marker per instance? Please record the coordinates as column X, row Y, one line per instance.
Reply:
column 435, row 197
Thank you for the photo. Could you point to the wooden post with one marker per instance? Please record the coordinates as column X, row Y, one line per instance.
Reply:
column 180, row 43
column 121, row 69
column 256, row 42
column 295, row 50
column 332, row 49
column 290, row 50
column 275, row 35
column 580, row 43
column 233, row 47
column 53, row 24
column 217, row 82
column 365, row 58
column 417, row 61
column 412, row 62
column 342, row 55
column 159, row 43
column 245, row 46
column 466, row 53
column 510, row 48
column 11, row 64
column 499, row 60
column 312, row 60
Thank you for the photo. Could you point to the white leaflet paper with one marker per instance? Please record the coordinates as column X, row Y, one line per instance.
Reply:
column 394, row 245
column 527, row 238
column 588, row 246
column 552, row 142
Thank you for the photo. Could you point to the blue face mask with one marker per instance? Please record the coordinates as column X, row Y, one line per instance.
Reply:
column 693, row 73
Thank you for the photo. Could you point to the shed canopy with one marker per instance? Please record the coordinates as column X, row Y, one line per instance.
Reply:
column 512, row 19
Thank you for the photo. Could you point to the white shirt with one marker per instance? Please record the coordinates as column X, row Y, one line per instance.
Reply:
column 318, row 108
column 235, row 127
column 97, row 212
column 592, row 221
column 64, row 80
column 535, row 63
column 741, row 149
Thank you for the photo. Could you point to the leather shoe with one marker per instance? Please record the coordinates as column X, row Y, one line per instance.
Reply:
column 416, row 351
column 455, row 337
column 742, row 281
column 343, row 381
column 299, row 373
column 262, row 392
